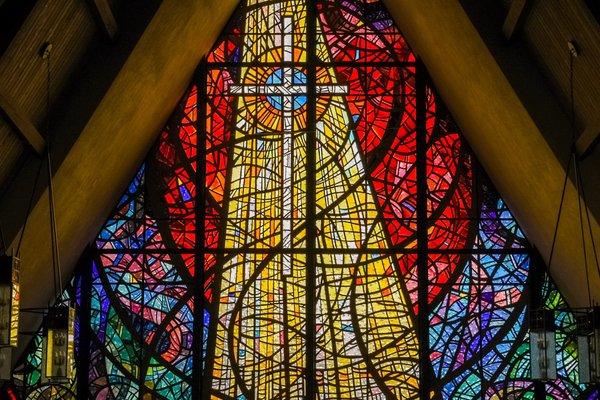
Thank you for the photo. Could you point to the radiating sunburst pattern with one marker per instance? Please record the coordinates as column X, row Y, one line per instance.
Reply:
column 360, row 301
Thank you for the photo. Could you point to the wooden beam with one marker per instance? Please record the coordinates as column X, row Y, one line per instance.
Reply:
column 104, row 15
column 114, row 142
column 22, row 125
column 508, row 142
column 588, row 140
column 517, row 13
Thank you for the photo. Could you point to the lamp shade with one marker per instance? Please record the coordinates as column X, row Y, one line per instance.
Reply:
column 58, row 351
column 9, row 300
column 588, row 346
column 542, row 341
column 6, row 363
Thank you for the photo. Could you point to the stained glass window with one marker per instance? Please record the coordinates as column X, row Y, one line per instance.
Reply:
column 311, row 224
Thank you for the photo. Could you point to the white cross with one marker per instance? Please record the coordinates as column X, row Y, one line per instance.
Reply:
column 288, row 91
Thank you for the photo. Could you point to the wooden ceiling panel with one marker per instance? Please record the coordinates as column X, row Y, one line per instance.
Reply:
column 11, row 148
column 69, row 26
column 549, row 26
